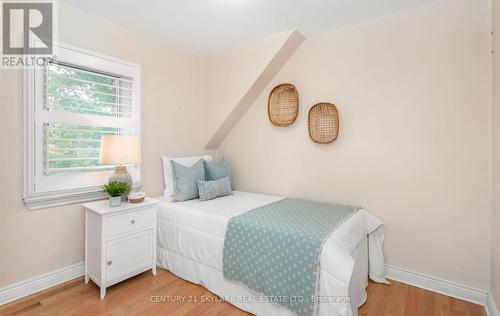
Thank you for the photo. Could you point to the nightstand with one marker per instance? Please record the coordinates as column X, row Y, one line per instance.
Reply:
column 120, row 242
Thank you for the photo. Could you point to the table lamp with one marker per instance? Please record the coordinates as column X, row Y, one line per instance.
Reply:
column 120, row 150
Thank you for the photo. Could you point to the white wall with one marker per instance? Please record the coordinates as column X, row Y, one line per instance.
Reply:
column 36, row 242
column 413, row 94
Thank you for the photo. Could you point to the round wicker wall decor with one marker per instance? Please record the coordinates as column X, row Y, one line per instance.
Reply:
column 283, row 105
column 323, row 123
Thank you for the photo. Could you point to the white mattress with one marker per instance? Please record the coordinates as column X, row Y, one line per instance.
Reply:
column 191, row 239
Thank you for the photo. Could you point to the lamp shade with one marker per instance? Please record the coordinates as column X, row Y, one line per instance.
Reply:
column 120, row 150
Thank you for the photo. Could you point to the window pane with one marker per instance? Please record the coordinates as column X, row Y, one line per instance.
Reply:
column 74, row 149
column 70, row 89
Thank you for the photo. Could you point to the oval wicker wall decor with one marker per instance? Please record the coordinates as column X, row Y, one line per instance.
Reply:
column 283, row 105
column 323, row 123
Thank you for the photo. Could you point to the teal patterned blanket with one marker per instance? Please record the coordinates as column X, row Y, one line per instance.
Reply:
column 275, row 249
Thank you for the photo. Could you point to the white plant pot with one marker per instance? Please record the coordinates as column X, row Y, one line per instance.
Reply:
column 115, row 201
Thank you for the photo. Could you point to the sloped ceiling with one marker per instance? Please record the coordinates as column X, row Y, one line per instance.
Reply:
column 234, row 79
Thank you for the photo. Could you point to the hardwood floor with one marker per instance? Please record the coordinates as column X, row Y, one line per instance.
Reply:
column 139, row 296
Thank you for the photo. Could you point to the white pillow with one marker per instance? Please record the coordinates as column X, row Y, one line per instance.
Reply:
column 167, row 171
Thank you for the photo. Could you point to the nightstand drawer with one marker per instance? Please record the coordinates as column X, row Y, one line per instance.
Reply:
column 129, row 255
column 126, row 222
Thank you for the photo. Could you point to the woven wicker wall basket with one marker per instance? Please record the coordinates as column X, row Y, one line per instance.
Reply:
column 323, row 123
column 283, row 105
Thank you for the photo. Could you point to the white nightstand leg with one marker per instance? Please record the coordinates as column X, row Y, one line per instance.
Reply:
column 86, row 278
column 154, row 270
column 103, row 292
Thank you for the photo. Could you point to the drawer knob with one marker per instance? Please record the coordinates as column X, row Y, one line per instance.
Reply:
column 110, row 262
column 132, row 222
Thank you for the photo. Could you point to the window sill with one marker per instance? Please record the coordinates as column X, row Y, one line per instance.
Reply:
column 42, row 201
column 37, row 201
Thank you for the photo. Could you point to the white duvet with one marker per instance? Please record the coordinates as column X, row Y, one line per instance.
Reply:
column 191, row 239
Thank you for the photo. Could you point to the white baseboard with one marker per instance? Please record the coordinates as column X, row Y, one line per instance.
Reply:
column 437, row 285
column 427, row 282
column 491, row 306
column 39, row 283
column 445, row 287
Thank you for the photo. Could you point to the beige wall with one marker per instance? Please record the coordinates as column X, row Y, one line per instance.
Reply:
column 413, row 93
column 495, row 222
column 234, row 78
column 230, row 74
column 37, row 242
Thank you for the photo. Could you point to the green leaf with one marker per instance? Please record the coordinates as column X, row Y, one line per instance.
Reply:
column 116, row 188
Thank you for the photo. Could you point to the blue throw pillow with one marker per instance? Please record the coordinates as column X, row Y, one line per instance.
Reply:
column 213, row 189
column 185, row 180
column 216, row 171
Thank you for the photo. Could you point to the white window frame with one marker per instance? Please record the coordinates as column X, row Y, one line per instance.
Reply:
column 36, row 195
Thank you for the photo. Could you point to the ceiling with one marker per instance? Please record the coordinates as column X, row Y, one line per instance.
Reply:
column 207, row 26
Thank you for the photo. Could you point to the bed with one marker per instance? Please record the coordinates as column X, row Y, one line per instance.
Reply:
column 191, row 241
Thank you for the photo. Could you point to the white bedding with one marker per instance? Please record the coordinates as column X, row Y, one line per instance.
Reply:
column 191, row 239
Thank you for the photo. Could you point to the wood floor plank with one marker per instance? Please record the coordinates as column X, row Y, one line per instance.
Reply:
column 167, row 294
column 441, row 305
column 426, row 302
column 411, row 302
column 382, row 293
column 34, row 300
column 374, row 295
column 213, row 310
column 396, row 303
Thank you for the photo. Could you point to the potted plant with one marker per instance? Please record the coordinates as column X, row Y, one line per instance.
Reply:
column 116, row 190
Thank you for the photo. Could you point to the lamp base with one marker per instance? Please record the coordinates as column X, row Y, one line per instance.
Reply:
column 121, row 175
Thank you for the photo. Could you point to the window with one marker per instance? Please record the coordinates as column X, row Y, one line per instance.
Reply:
column 69, row 105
